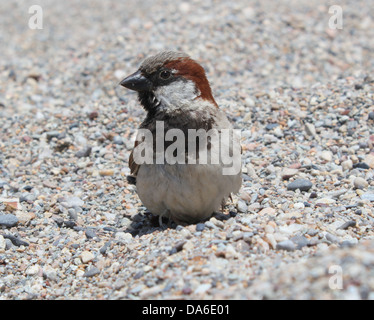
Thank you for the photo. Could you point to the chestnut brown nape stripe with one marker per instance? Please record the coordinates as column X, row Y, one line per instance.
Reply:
column 191, row 70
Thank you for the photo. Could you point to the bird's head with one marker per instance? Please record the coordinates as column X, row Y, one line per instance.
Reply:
column 169, row 80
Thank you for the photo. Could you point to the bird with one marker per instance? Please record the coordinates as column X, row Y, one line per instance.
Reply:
column 174, row 91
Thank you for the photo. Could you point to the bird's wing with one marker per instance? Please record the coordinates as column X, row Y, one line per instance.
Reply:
column 134, row 167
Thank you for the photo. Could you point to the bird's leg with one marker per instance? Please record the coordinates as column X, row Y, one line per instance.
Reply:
column 160, row 222
column 166, row 214
column 170, row 221
column 230, row 196
column 223, row 205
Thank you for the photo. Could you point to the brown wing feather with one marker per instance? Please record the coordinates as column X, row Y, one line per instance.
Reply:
column 134, row 167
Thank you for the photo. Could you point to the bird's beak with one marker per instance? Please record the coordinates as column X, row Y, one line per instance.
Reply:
column 136, row 82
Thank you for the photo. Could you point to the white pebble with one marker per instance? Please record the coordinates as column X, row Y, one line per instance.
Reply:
column 87, row 256
column 299, row 205
column 124, row 236
column 271, row 240
column 326, row 155
column 347, row 165
column 32, row 270
column 2, row 243
column 360, row 183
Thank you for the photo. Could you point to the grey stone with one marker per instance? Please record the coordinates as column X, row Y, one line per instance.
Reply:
column 360, row 183
column 105, row 247
column 8, row 220
column 16, row 241
column 93, row 271
column 74, row 202
column 331, row 238
column 301, row 184
column 367, row 196
column 286, row 245
column 84, row 152
column 200, row 226
column 241, row 206
column 52, row 134
column 300, row 241
column 118, row 140
column 90, row 233
column 310, row 129
column 347, row 224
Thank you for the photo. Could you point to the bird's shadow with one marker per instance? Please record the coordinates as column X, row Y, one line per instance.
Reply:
column 144, row 222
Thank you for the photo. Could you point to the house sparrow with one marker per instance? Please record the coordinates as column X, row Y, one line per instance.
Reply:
column 174, row 91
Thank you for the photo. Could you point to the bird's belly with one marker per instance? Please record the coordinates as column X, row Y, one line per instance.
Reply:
column 185, row 192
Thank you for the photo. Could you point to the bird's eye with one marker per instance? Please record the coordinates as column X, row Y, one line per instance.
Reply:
column 164, row 75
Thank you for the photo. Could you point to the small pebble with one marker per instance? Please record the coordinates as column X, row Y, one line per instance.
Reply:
column 15, row 240
column 310, row 129
column 32, row 270
column 241, row 206
column 331, row 238
column 91, row 272
column 361, row 165
column 367, row 196
column 52, row 134
column 288, row 173
column 106, row 172
column 347, row 165
column 360, row 183
column 90, row 233
column 326, row 156
column 8, row 220
column 2, row 243
column 267, row 211
column 300, row 241
column 301, row 184
column 74, row 202
column 313, row 195
column 200, row 227
column 87, row 256
column 286, row 245
column 347, row 225
column 105, row 247
column 84, row 152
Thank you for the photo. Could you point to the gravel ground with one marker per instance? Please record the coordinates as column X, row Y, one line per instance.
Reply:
column 302, row 93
